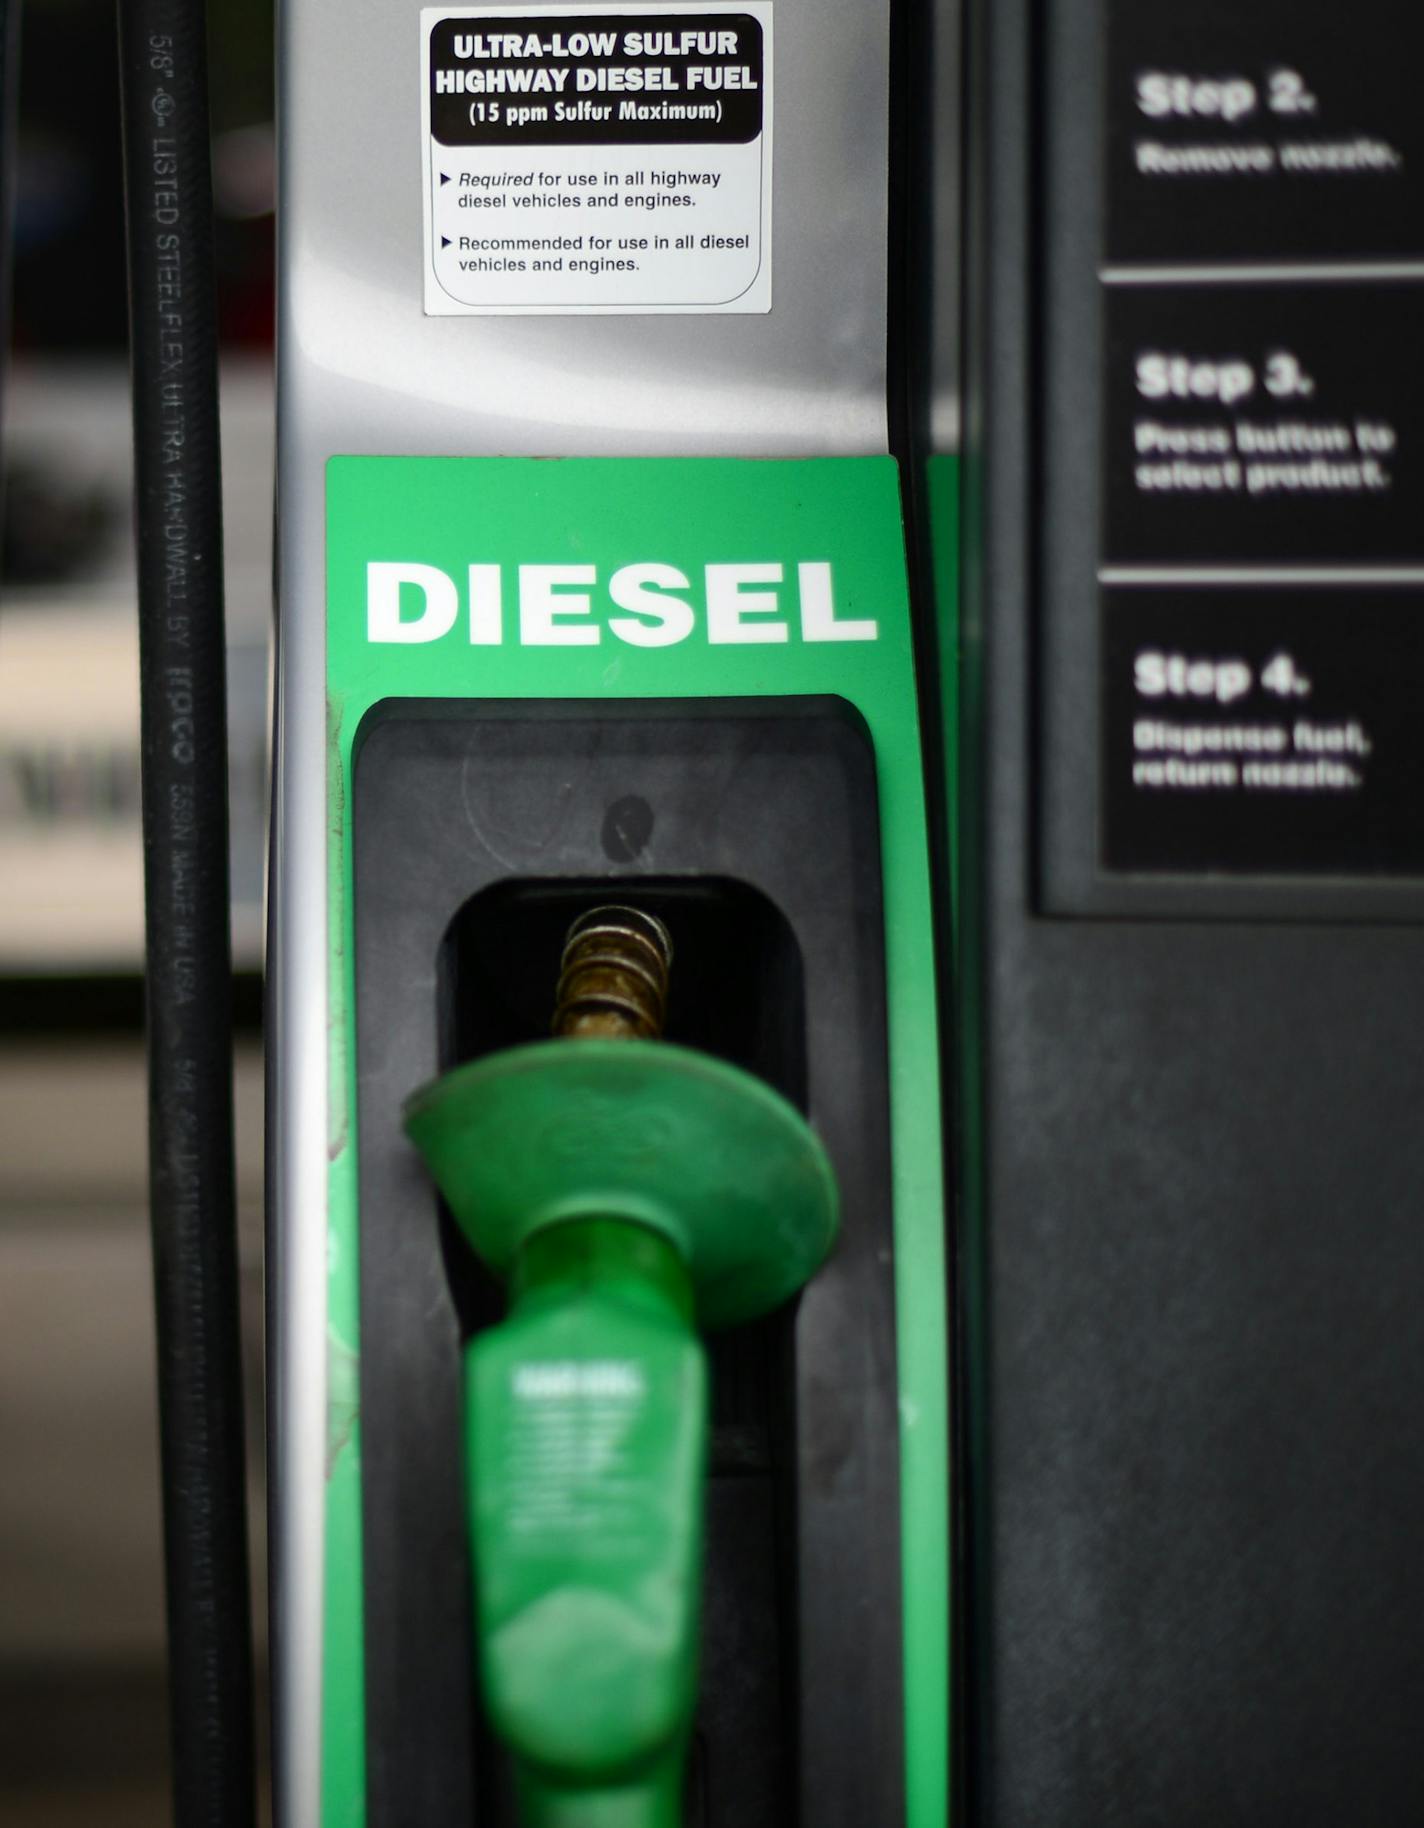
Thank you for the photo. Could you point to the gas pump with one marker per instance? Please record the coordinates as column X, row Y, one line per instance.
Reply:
column 611, row 1417
column 640, row 801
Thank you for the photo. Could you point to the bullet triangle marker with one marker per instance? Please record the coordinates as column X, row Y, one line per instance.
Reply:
column 444, row 177
column 444, row 241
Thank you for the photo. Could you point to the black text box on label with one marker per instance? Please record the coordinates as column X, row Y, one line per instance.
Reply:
column 1263, row 731
column 1264, row 424
column 1261, row 132
column 596, row 79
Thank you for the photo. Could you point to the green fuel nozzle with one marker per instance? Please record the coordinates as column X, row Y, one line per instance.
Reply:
column 629, row 1191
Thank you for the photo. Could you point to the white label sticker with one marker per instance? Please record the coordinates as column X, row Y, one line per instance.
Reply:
column 587, row 159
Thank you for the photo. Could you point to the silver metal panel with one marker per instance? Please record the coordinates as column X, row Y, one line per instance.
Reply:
column 807, row 379
column 361, row 369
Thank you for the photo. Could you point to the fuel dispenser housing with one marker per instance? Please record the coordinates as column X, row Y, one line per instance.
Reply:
column 581, row 606
column 1191, row 1019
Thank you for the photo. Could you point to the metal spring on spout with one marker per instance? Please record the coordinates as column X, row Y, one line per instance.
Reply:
column 613, row 976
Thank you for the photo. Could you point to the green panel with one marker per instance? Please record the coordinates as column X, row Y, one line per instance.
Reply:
column 833, row 527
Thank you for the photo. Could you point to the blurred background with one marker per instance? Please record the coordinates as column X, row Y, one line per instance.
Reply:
column 82, row 1705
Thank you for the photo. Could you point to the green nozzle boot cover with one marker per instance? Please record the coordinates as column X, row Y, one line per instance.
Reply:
column 586, row 1409
column 586, row 1429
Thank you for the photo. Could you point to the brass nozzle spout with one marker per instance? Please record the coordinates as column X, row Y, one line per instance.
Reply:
column 613, row 978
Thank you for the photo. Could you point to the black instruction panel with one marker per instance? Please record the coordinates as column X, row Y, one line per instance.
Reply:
column 1259, row 308
column 1264, row 130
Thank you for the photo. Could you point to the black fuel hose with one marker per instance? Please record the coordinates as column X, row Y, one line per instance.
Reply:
column 188, row 993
